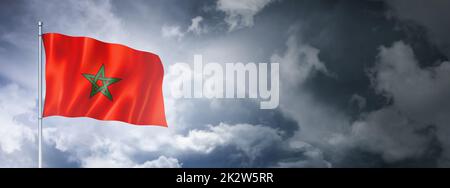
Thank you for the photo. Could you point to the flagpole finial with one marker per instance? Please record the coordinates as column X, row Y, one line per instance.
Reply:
column 40, row 23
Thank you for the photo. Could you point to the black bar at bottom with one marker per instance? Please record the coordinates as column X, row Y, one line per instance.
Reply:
column 224, row 176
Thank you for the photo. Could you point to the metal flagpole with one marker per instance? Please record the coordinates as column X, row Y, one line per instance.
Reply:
column 40, row 96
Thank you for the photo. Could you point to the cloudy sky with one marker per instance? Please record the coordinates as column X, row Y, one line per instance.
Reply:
column 363, row 83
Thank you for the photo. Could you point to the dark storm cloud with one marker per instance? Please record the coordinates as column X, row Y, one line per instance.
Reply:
column 349, row 34
column 433, row 15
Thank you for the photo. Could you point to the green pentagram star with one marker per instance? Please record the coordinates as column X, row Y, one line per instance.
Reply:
column 100, row 75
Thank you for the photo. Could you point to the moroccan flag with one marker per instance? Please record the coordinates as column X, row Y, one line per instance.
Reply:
column 89, row 78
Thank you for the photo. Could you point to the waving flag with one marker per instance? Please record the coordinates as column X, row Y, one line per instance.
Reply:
column 89, row 78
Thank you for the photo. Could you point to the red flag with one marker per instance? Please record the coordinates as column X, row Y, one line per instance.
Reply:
column 89, row 78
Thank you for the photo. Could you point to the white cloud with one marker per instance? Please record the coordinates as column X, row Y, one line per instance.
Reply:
column 161, row 162
column 250, row 139
column 114, row 145
column 175, row 31
column 418, row 95
column 15, row 102
column 172, row 31
column 105, row 152
column 388, row 132
column 239, row 13
column 17, row 137
column 298, row 63
column 112, row 154
column 196, row 27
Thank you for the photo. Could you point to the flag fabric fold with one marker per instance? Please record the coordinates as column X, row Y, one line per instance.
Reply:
column 89, row 78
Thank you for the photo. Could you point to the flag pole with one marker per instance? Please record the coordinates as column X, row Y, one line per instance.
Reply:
column 40, row 96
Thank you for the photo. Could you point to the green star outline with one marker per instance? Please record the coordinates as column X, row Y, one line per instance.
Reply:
column 100, row 75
